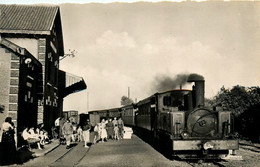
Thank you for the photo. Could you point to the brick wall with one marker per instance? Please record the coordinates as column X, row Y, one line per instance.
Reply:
column 5, row 65
column 9, row 76
column 41, row 58
column 14, row 86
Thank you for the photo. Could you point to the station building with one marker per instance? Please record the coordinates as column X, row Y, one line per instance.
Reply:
column 32, row 87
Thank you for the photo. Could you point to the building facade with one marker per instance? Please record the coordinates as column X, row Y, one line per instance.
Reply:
column 20, row 86
column 38, row 31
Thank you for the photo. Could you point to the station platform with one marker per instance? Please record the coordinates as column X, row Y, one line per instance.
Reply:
column 125, row 152
column 24, row 154
column 112, row 153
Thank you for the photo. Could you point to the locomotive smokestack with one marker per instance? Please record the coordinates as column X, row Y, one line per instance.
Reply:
column 198, row 89
column 199, row 93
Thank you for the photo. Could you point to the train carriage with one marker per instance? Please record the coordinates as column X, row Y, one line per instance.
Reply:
column 71, row 115
column 98, row 115
column 114, row 112
column 103, row 114
column 128, row 114
column 143, row 116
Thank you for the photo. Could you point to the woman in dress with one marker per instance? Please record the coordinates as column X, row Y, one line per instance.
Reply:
column 8, row 142
column 86, row 132
column 103, row 130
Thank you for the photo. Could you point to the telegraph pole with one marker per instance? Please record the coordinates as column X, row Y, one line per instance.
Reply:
column 128, row 92
column 87, row 102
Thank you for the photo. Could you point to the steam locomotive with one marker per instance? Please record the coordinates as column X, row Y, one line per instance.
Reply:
column 179, row 120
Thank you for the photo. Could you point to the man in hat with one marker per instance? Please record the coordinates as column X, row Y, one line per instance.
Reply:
column 86, row 129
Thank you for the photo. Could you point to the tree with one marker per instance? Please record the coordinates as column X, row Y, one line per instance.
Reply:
column 125, row 100
column 244, row 103
column 238, row 99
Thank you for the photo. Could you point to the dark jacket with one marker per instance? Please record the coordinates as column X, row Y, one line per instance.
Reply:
column 86, row 127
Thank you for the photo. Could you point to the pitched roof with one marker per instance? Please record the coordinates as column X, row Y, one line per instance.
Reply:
column 31, row 19
column 27, row 19
column 17, row 49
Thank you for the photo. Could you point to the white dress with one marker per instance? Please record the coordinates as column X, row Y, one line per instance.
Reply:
column 103, row 130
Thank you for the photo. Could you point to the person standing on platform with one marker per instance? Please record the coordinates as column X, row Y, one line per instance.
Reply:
column 110, row 129
column 103, row 130
column 116, row 132
column 74, row 136
column 8, row 142
column 120, row 128
column 57, row 128
column 61, row 123
column 67, row 131
column 115, row 122
column 86, row 129
column 80, row 133
column 96, row 133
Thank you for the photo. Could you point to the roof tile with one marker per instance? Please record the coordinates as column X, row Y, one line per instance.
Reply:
column 25, row 17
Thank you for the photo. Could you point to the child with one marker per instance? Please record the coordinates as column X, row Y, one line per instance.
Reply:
column 75, row 134
column 42, row 137
column 80, row 134
column 116, row 129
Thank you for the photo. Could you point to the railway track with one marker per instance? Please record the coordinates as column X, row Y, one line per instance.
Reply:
column 71, row 157
column 212, row 163
column 60, row 156
column 249, row 147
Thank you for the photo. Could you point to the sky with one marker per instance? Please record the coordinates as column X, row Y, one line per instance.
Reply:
column 135, row 45
column 75, row 1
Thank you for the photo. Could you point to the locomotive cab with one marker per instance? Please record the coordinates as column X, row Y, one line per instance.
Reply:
column 173, row 106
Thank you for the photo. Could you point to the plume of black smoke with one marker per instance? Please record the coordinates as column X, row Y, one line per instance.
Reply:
column 163, row 83
column 195, row 77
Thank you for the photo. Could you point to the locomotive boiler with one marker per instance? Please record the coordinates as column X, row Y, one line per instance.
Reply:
column 179, row 121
